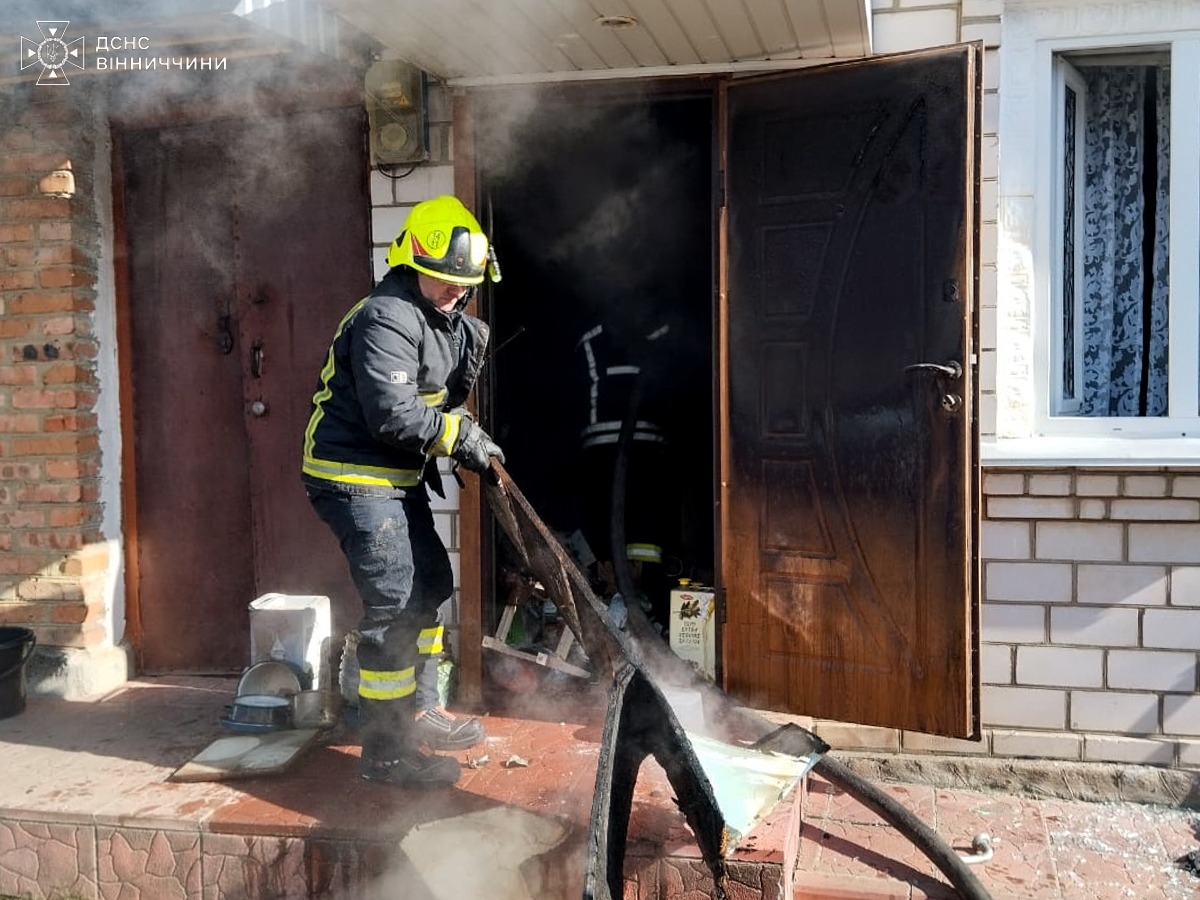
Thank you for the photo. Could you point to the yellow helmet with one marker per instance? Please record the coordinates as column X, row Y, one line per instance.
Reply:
column 443, row 240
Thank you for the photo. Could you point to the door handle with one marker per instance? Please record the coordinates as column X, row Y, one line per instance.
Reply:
column 949, row 369
column 256, row 359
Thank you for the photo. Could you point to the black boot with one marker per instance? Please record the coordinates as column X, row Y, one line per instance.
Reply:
column 390, row 753
column 438, row 730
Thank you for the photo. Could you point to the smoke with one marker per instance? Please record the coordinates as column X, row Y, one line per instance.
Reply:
column 492, row 853
column 591, row 185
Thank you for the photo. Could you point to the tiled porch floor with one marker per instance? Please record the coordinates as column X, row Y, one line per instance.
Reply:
column 86, row 811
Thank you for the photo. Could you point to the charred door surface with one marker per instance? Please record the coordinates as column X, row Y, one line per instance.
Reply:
column 849, row 483
column 247, row 242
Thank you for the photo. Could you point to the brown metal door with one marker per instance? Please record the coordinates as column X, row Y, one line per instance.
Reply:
column 247, row 242
column 849, row 482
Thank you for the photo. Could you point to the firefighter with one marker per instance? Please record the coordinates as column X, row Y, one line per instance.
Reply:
column 388, row 404
column 614, row 355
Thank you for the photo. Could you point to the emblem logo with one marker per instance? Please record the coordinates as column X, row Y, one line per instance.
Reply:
column 53, row 53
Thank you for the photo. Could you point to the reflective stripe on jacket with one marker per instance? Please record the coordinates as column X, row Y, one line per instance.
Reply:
column 395, row 367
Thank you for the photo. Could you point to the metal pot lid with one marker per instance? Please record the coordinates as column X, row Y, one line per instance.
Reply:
column 269, row 677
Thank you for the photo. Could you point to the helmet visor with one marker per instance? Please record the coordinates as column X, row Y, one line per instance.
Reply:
column 460, row 259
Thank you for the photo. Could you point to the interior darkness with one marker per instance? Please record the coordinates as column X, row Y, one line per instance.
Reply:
column 603, row 214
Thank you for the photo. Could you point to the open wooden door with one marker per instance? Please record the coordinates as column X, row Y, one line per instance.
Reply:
column 849, row 478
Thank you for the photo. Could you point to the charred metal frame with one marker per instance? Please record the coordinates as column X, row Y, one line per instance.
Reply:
column 640, row 721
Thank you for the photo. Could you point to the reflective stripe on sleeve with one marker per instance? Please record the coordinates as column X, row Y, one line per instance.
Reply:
column 430, row 640
column 644, row 552
column 436, row 398
column 451, row 426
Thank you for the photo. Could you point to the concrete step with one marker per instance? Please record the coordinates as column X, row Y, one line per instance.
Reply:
column 88, row 810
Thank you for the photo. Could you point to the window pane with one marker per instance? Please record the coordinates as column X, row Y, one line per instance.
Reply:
column 1125, row 240
column 1070, row 105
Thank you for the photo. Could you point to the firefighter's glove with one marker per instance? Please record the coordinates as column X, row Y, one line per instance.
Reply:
column 475, row 448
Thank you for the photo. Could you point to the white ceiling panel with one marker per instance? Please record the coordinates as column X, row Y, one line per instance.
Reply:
column 810, row 27
column 661, row 23
column 849, row 27
column 697, row 22
column 492, row 41
column 736, row 28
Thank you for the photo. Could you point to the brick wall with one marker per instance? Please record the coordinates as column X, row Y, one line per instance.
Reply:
column 54, row 563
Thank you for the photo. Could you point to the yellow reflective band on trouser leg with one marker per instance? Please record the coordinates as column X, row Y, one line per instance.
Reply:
column 644, row 552
column 430, row 641
column 387, row 685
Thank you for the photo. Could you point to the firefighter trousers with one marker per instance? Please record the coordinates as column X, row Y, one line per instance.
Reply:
column 402, row 572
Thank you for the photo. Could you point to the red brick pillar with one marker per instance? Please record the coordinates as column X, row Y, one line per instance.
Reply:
column 53, row 563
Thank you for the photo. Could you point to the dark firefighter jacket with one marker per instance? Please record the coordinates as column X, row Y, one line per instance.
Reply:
column 396, row 368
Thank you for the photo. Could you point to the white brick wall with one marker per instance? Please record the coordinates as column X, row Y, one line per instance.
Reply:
column 1006, row 540
column 1185, row 586
column 1037, row 745
column 1034, row 582
column 1060, row 666
column 1171, row 628
column 1082, row 541
column 1091, row 648
column 1164, row 543
column 1030, row 507
column 1016, row 707
column 1128, row 750
column 1112, row 711
column 1181, row 714
column 1098, row 626
column 1125, row 584
column 1009, row 623
column 1151, row 670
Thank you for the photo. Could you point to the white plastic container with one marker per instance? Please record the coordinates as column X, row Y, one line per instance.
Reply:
column 295, row 629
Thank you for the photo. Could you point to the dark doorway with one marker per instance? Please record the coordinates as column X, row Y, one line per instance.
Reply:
column 602, row 216
column 843, row 358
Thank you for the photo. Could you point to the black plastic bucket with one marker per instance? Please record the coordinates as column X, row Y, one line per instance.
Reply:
column 16, row 646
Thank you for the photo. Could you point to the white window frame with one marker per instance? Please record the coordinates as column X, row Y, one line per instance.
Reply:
column 1029, row 271
column 1066, row 76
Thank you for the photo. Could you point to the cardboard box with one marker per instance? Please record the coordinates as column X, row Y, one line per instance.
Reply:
column 693, row 628
column 296, row 629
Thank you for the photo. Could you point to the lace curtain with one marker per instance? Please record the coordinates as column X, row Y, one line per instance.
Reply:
column 1119, row 365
